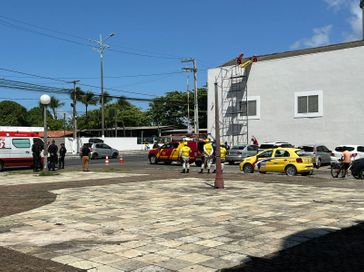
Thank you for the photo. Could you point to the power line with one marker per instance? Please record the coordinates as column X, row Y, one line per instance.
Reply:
column 64, row 81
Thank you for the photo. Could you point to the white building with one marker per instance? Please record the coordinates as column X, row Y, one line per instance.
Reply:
column 304, row 97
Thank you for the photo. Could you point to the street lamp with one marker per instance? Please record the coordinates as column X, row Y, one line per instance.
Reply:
column 45, row 100
column 101, row 47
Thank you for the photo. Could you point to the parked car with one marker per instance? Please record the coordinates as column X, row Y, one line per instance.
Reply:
column 320, row 153
column 101, row 150
column 237, row 152
column 357, row 152
column 291, row 161
column 95, row 140
column 357, row 168
column 268, row 145
column 169, row 152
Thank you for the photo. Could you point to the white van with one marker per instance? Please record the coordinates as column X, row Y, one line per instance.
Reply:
column 16, row 148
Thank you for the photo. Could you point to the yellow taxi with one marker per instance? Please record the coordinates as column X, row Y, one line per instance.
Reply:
column 291, row 161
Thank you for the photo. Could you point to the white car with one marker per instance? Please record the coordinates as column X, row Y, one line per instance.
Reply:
column 357, row 152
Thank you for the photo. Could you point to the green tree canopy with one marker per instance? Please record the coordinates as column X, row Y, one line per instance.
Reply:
column 171, row 109
column 12, row 114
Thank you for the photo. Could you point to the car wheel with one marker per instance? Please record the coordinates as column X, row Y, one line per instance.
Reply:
column 153, row 159
column 318, row 164
column 1, row 166
column 94, row 156
column 248, row 168
column 114, row 155
column 290, row 170
column 361, row 173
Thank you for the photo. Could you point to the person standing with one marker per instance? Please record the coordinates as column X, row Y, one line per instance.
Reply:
column 346, row 158
column 36, row 150
column 208, row 152
column 184, row 154
column 223, row 152
column 85, row 156
column 62, row 154
column 52, row 151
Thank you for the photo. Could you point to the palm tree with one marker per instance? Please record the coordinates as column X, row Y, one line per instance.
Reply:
column 107, row 98
column 54, row 105
column 89, row 98
column 122, row 102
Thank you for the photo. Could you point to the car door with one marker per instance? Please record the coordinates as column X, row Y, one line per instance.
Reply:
column 324, row 153
column 280, row 160
column 107, row 150
column 99, row 150
column 165, row 152
column 263, row 160
column 21, row 151
column 175, row 151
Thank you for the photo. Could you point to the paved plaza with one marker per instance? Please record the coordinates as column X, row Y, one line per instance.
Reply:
column 175, row 224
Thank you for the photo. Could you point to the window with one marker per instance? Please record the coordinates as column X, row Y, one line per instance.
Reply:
column 21, row 143
column 252, row 148
column 308, row 104
column 266, row 154
column 281, row 153
column 250, row 107
column 360, row 148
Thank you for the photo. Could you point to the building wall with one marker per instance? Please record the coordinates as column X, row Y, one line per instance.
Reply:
column 337, row 74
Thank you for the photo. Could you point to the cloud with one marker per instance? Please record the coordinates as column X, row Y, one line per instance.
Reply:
column 320, row 37
column 356, row 22
column 336, row 4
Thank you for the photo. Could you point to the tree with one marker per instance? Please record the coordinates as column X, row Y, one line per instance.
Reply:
column 35, row 118
column 89, row 98
column 107, row 98
column 54, row 105
column 12, row 114
column 171, row 109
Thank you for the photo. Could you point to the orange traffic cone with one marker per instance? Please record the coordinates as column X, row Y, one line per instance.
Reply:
column 121, row 160
column 107, row 160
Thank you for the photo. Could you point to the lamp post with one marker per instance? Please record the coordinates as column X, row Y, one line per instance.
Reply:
column 101, row 47
column 45, row 100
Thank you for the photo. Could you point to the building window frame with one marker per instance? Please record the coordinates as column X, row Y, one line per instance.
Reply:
column 320, row 111
column 257, row 103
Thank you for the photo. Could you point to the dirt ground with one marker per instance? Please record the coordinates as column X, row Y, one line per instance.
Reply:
column 339, row 251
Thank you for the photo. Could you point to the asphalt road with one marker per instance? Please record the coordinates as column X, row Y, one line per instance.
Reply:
column 139, row 160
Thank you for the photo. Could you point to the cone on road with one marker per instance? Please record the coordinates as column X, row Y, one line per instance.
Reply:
column 107, row 160
column 121, row 160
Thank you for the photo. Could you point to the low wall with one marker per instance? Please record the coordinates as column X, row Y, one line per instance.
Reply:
column 119, row 143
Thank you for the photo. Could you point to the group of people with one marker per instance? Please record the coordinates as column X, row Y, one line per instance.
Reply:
column 209, row 153
column 55, row 156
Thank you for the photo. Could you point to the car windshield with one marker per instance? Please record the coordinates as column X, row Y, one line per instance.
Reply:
column 343, row 148
column 300, row 153
column 306, row 148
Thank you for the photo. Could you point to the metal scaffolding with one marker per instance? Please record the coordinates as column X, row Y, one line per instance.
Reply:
column 234, row 105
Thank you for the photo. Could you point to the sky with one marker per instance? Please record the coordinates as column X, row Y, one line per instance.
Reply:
column 52, row 42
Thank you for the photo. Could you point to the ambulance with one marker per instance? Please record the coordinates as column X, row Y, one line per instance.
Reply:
column 16, row 148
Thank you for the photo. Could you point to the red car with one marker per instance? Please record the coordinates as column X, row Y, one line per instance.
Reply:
column 169, row 152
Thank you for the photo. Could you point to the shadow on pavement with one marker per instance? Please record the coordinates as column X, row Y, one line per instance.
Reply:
column 336, row 251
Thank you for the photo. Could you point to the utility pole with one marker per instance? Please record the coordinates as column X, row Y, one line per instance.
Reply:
column 219, row 180
column 362, row 7
column 101, row 47
column 74, row 119
column 194, row 70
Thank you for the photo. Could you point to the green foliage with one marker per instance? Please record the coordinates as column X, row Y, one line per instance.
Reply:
column 12, row 114
column 35, row 119
column 171, row 109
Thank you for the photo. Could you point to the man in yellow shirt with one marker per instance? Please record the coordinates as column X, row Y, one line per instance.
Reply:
column 223, row 152
column 184, row 154
column 208, row 152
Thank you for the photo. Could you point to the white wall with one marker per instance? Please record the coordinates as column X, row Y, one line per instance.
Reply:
column 119, row 143
column 338, row 74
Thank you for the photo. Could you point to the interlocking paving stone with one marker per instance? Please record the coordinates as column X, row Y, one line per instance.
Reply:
column 178, row 225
